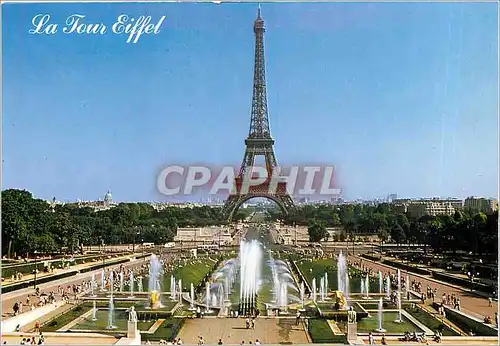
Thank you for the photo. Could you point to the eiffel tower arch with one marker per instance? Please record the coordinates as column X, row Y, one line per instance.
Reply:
column 259, row 141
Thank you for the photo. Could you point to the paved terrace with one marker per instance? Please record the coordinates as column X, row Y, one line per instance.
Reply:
column 471, row 303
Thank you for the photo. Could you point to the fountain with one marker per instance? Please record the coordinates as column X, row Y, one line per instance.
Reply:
column 400, row 316
column 362, row 287
column 250, row 267
column 155, row 271
column 388, row 287
column 314, row 290
column 367, row 286
column 94, row 312
column 180, row 290
column 214, row 300
column 191, row 306
column 221, row 295
column 172, row 287
column 380, row 317
column 283, row 298
column 322, row 289
column 343, row 275
column 380, row 282
column 92, row 285
column 226, row 287
column 326, row 285
column 207, row 296
column 103, row 280
column 399, row 280
column 139, row 284
column 131, row 284
column 121, row 281
column 111, row 283
column 111, row 314
column 302, row 293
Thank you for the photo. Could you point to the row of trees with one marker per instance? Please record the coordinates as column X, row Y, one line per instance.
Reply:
column 30, row 224
column 469, row 231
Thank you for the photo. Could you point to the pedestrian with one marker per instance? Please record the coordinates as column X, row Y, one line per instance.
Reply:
column 383, row 341
column 220, row 342
column 37, row 326
column 297, row 319
column 257, row 342
column 490, row 302
column 371, row 341
column 253, row 323
column 15, row 308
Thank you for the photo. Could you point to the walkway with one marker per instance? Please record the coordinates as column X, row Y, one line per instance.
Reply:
column 233, row 331
column 470, row 303
column 9, row 299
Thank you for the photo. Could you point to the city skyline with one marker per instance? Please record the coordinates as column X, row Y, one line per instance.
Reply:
column 187, row 102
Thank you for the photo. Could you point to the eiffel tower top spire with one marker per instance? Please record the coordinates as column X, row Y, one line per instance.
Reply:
column 259, row 123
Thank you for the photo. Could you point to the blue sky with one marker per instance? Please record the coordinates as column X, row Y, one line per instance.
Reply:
column 400, row 97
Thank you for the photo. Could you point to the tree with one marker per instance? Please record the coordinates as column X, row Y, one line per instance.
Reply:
column 398, row 234
column 317, row 231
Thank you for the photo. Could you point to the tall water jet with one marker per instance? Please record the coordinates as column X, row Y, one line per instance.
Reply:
column 314, row 290
column 172, row 287
column 367, row 286
column 380, row 282
column 322, row 289
column 131, row 283
column 400, row 315
column 207, row 295
column 342, row 273
column 250, row 271
column 302, row 293
column 121, row 281
column 140, row 286
column 92, row 285
column 221, row 295
column 362, row 287
column 94, row 312
column 191, row 306
column 179, row 292
column 283, row 301
column 399, row 280
column 111, row 314
column 155, row 272
column 103, row 280
column 226, row 287
column 111, row 283
column 326, row 285
column 388, row 287
column 380, row 317
column 214, row 300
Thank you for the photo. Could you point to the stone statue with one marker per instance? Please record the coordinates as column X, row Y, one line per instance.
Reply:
column 132, row 315
column 351, row 316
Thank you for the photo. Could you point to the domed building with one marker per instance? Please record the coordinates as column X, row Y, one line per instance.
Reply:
column 108, row 198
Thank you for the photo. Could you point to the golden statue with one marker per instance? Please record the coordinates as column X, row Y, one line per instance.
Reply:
column 154, row 300
column 339, row 298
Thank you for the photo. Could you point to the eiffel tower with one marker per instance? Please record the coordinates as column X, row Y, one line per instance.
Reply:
column 259, row 142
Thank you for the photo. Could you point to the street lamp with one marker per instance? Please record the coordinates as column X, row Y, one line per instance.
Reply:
column 35, row 252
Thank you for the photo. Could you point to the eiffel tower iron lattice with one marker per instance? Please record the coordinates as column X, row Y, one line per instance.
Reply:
column 259, row 141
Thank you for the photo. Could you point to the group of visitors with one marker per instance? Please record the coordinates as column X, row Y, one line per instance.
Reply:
column 371, row 339
column 177, row 341
column 33, row 341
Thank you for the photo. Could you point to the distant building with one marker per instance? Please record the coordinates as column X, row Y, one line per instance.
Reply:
column 485, row 205
column 432, row 206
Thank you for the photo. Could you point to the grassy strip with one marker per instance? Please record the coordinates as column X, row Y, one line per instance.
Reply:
column 320, row 332
column 430, row 321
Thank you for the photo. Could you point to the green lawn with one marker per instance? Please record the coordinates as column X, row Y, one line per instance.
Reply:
column 430, row 321
column 193, row 272
column 320, row 332
column 369, row 324
column 168, row 330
